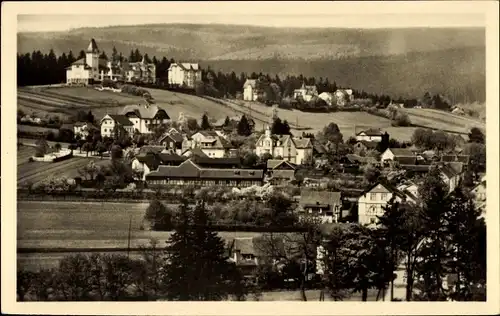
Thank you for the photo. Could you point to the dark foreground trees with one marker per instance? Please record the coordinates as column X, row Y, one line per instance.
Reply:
column 193, row 266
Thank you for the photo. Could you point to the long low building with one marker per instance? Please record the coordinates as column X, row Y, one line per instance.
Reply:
column 189, row 173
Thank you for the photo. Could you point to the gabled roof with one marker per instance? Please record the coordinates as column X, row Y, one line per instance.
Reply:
column 195, row 152
column 176, row 137
column 384, row 187
column 220, row 162
column 143, row 111
column 404, row 160
column 302, row 142
column 80, row 62
column 448, row 171
column 459, row 158
column 371, row 132
column 274, row 163
column 250, row 82
column 121, row 119
column 312, row 197
column 92, row 48
column 186, row 66
column 369, row 145
column 402, row 152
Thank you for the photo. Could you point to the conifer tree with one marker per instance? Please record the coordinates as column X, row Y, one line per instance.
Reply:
column 244, row 128
column 205, row 124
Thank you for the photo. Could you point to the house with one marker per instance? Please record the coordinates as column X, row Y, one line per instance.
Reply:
column 250, row 90
column 221, row 163
column 370, row 135
column 323, row 204
column 193, row 152
column 92, row 69
column 343, row 97
column 364, row 146
column 410, row 189
column 395, row 154
column 450, row 175
column 280, row 172
column 307, row 93
column 211, row 144
column 184, row 74
column 352, row 159
column 109, row 121
column 144, row 163
column 145, row 117
column 456, row 158
column 141, row 71
column 189, row 173
column 374, row 199
column 479, row 194
column 297, row 150
column 172, row 140
column 247, row 253
column 83, row 128
column 328, row 97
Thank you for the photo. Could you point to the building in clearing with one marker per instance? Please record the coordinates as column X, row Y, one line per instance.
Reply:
column 184, row 74
column 92, row 69
column 145, row 117
column 250, row 90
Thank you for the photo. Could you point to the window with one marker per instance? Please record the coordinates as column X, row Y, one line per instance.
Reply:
column 372, row 220
column 384, row 196
column 373, row 196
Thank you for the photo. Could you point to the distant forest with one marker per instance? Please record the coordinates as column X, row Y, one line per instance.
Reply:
column 41, row 69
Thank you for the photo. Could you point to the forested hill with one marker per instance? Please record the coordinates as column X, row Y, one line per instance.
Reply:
column 398, row 62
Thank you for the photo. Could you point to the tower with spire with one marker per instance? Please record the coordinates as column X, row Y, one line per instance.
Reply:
column 92, row 59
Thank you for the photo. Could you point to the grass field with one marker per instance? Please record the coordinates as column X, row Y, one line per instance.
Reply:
column 443, row 120
column 67, row 100
column 33, row 172
column 36, row 129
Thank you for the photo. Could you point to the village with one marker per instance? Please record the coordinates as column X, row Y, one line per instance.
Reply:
column 327, row 178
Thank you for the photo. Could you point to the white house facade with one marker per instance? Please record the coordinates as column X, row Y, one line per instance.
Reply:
column 184, row 74
column 109, row 121
column 297, row 150
column 370, row 135
column 145, row 117
column 307, row 93
column 372, row 202
column 250, row 92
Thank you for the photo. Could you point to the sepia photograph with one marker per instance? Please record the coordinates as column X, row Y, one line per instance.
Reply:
column 324, row 155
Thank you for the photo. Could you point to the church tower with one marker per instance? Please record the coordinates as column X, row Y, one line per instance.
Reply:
column 92, row 59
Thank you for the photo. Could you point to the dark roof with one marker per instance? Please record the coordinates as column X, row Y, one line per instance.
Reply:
column 448, row 171
column 459, row 158
column 176, row 137
column 372, row 132
column 416, row 168
column 220, row 162
column 369, row 145
column 309, row 197
column 92, row 48
column 389, row 187
column 274, row 163
column 153, row 160
column 283, row 174
column 403, row 160
column 121, row 119
column 189, row 169
column 80, row 61
column 67, row 126
column 402, row 152
column 195, row 152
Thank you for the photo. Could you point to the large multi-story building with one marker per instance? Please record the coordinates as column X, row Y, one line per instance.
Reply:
column 184, row 74
column 92, row 69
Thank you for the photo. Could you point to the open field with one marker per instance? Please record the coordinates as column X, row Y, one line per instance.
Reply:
column 36, row 129
column 33, row 172
column 443, row 120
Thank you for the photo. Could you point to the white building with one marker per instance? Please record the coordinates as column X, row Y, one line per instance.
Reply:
column 370, row 135
column 372, row 202
column 324, row 205
column 93, row 69
column 307, row 93
column 343, row 97
column 328, row 97
column 145, row 117
column 210, row 143
column 392, row 154
column 250, row 92
column 109, row 121
column 184, row 74
column 297, row 150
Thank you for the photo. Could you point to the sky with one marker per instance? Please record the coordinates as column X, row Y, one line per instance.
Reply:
column 62, row 17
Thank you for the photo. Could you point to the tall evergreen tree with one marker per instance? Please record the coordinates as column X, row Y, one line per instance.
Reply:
column 205, row 124
column 434, row 250
column 244, row 128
